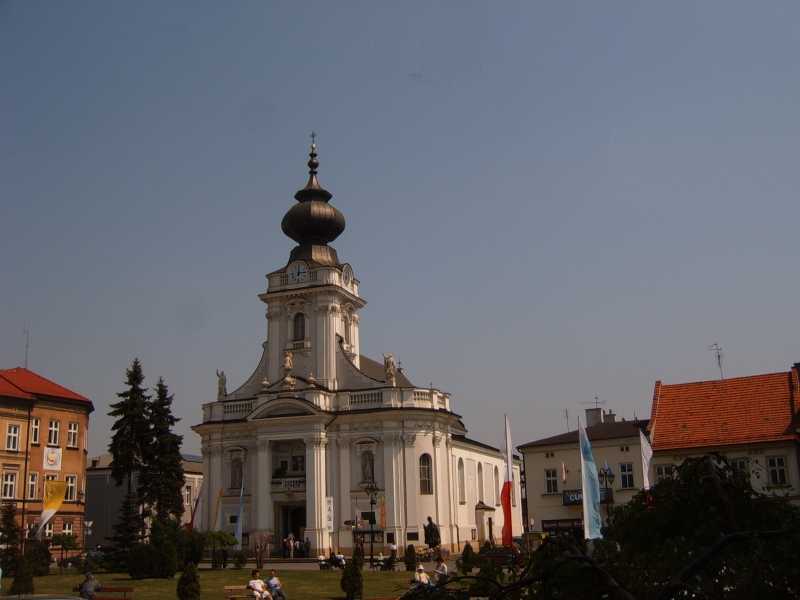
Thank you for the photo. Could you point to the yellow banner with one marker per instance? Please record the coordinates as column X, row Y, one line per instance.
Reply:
column 54, row 492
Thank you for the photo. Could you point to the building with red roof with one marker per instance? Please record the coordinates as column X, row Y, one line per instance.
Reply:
column 752, row 420
column 44, row 427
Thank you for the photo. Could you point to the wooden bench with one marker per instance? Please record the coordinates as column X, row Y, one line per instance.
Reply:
column 126, row 592
column 237, row 591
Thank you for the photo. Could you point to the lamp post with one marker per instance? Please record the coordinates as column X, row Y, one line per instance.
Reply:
column 606, row 477
column 371, row 489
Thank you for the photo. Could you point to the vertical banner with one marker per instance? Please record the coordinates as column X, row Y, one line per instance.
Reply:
column 382, row 511
column 505, row 495
column 647, row 457
column 54, row 492
column 239, row 518
column 217, row 511
column 329, row 513
column 592, row 521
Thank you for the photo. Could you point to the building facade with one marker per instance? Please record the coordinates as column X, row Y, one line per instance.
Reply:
column 318, row 425
column 753, row 421
column 44, row 427
column 553, row 471
column 104, row 497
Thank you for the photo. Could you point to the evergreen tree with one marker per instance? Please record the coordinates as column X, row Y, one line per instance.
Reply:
column 162, row 481
column 131, row 432
column 127, row 530
column 23, row 579
column 9, row 538
column 189, row 583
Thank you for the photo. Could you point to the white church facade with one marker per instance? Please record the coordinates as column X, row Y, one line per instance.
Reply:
column 321, row 439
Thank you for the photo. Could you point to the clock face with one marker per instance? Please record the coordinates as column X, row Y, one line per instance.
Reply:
column 297, row 272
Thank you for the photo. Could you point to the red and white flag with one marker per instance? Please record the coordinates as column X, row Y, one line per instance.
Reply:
column 505, row 495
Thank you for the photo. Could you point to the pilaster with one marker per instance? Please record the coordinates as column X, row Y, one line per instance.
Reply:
column 391, row 485
column 264, row 511
column 411, row 478
column 316, row 530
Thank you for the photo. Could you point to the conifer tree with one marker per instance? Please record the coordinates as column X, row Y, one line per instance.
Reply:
column 162, row 481
column 9, row 538
column 127, row 530
column 131, row 429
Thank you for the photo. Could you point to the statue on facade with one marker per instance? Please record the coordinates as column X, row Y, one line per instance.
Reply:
column 288, row 362
column 367, row 466
column 264, row 383
column 222, row 385
column 390, row 369
column 432, row 536
column 289, row 382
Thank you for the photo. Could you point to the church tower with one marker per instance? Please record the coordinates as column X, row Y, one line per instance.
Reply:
column 313, row 301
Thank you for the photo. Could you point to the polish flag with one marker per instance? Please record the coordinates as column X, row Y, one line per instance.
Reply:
column 505, row 495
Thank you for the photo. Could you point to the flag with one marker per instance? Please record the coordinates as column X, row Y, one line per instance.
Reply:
column 564, row 473
column 647, row 456
column 238, row 533
column 505, row 495
column 591, row 489
column 196, row 507
column 54, row 492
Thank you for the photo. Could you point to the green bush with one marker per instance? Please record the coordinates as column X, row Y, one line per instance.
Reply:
column 142, row 561
column 239, row 559
column 192, row 544
column 352, row 582
column 39, row 555
column 23, row 581
column 410, row 558
column 189, row 583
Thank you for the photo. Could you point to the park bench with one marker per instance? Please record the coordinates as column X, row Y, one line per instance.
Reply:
column 125, row 593
column 237, row 591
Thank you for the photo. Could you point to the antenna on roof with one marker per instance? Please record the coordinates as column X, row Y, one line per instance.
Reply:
column 597, row 402
column 718, row 352
column 566, row 417
column 27, row 334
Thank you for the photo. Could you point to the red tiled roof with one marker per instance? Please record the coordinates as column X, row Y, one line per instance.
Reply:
column 758, row 408
column 9, row 390
column 33, row 383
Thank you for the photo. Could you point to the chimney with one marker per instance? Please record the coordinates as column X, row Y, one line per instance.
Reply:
column 609, row 417
column 594, row 416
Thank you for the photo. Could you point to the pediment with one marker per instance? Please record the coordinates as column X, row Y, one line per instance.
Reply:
column 286, row 407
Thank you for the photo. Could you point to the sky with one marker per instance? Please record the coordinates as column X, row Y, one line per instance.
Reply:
column 545, row 202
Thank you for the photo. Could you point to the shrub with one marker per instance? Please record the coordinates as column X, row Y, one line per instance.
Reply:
column 39, row 555
column 467, row 562
column 239, row 559
column 23, row 581
column 192, row 544
column 189, row 583
column 141, row 561
column 352, row 582
column 410, row 558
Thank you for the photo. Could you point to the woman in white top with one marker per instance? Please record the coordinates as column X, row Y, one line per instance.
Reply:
column 257, row 586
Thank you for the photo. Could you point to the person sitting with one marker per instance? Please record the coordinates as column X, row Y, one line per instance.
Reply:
column 257, row 586
column 441, row 571
column 89, row 587
column 275, row 587
column 421, row 578
column 340, row 562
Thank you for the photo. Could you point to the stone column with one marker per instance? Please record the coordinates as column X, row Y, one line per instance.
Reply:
column 316, row 527
column 411, row 484
column 392, row 486
column 437, row 481
column 263, row 488
column 343, row 508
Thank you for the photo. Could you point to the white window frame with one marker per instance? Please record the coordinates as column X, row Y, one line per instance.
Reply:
column 71, row 490
column 187, row 495
column 664, row 471
column 425, row 474
column 12, row 437
column 48, row 529
column 551, row 481
column 626, row 472
column 462, row 492
column 35, row 424
column 33, row 484
column 776, row 468
column 480, row 482
column 72, row 434
column 67, row 528
column 9, row 490
column 741, row 464
column 53, row 432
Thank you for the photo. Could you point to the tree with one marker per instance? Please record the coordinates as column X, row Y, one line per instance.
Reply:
column 10, row 538
column 127, row 530
column 23, row 580
column 67, row 542
column 161, row 482
column 189, row 583
column 352, row 582
column 39, row 555
column 131, row 429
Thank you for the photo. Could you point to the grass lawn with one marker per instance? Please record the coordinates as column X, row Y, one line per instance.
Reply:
column 299, row 585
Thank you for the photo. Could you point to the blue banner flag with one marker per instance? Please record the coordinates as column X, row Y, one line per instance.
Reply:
column 238, row 533
column 592, row 521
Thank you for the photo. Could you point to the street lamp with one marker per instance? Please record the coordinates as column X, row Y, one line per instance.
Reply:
column 371, row 489
column 606, row 477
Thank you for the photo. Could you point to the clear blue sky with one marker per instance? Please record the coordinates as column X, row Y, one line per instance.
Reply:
column 544, row 201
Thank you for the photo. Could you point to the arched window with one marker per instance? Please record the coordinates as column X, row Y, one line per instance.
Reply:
column 237, row 471
column 346, row 321
column 462, row 497
column 299, row 327
column 425, row 474
column 496, row 486
column 480, row 482
column 367, row 466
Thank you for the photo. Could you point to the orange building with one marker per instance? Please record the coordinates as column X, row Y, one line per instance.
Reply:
column 44, row 428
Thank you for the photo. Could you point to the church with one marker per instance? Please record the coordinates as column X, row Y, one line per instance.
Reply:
column 329, row 445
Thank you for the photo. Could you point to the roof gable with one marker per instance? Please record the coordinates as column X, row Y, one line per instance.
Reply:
column 738, row 410
column 33, row 383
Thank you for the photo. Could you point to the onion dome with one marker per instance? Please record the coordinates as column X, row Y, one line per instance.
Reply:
column 313, row 223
